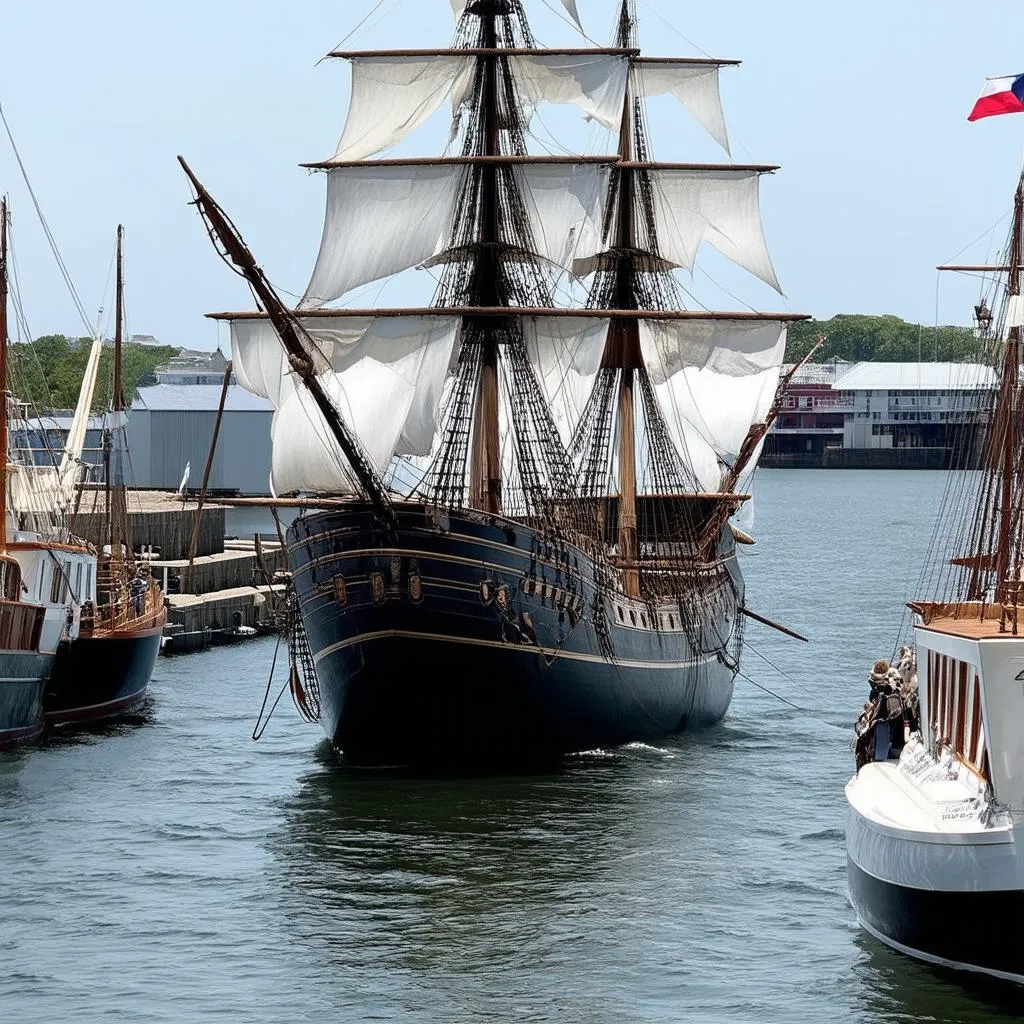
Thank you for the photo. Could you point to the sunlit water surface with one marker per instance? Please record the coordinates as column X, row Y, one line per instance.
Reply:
column 170, row 869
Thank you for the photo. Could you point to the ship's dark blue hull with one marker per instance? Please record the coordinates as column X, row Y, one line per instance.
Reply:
column 469, row 638
column 99, row 677
column 22, row 677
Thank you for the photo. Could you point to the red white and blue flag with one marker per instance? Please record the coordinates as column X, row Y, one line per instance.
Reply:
column 1000, row 96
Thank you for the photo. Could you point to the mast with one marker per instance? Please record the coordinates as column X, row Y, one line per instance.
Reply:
column 485, row 466
column 1008, row 401
column 623, row 349
column 3, row 374
column 117, row 499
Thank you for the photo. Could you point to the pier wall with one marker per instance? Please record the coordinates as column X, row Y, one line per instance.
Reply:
column 862, row 458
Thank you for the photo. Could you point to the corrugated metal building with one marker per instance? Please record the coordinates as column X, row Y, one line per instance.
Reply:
column 171, row 426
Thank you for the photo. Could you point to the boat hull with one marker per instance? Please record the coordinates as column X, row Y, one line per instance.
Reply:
column 22, row 678
column 469, row 639
column 99, row 677
column 952, row 902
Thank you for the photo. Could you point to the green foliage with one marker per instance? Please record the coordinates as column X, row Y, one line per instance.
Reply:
column 853, row 338
column 48, row 372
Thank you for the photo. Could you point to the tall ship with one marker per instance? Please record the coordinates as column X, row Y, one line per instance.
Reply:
column 516, row 537
column 103, row 614
column 105, row 670
column 934, row 866
column 27, row 646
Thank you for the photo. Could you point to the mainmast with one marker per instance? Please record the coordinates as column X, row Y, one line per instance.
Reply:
column 623, row 351
column 485, row 464
column 1008, row 398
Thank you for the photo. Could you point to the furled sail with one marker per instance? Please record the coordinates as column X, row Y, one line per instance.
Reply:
column 693, row 84
column 393, row 96
column 385, row 374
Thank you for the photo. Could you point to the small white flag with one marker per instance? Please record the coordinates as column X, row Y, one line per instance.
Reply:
column 184, row 478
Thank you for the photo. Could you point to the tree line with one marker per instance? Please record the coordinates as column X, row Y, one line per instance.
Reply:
column 854, row 338
column 47, row 373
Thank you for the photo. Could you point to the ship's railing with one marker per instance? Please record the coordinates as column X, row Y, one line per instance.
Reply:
column 143, row 609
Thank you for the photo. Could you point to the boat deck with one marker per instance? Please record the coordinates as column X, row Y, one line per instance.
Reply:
column 933, row 806
column 972, row 620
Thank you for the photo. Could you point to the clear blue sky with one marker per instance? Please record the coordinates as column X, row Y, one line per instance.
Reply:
column 864, row 105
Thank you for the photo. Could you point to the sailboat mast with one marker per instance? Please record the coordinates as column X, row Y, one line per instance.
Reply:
column 624, row 348
column 3, row 375
column 485, row 473
column 1008, row 397
column 119, row 323
column 117, row 504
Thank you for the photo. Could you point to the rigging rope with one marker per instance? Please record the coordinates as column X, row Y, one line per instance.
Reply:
column 46, row 229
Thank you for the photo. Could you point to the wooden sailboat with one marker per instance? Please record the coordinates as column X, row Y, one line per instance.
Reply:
column 24, row 666
column 561, row 573
column 106, row 669
column 934, row 866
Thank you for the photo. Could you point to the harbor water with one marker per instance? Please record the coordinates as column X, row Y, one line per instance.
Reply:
column 169, row 869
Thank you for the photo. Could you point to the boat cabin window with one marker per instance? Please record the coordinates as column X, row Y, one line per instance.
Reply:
column 78, row 582
column 632, row 617
column 57, row 584
column 618, row 608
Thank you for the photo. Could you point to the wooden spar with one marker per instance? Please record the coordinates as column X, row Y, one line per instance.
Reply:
column 3, row 374
column 521, row 51
column 485, row 456
column 1008, row 398
column 700, row 62
column 116, row 495
column 654, row 165
column 524, row 311
column 774, row 625
column 119, row 322
column 289, row 332
column 470, row 160
column 197, row 521
column 981, row 268
column 623, row 345
column 500, row 51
